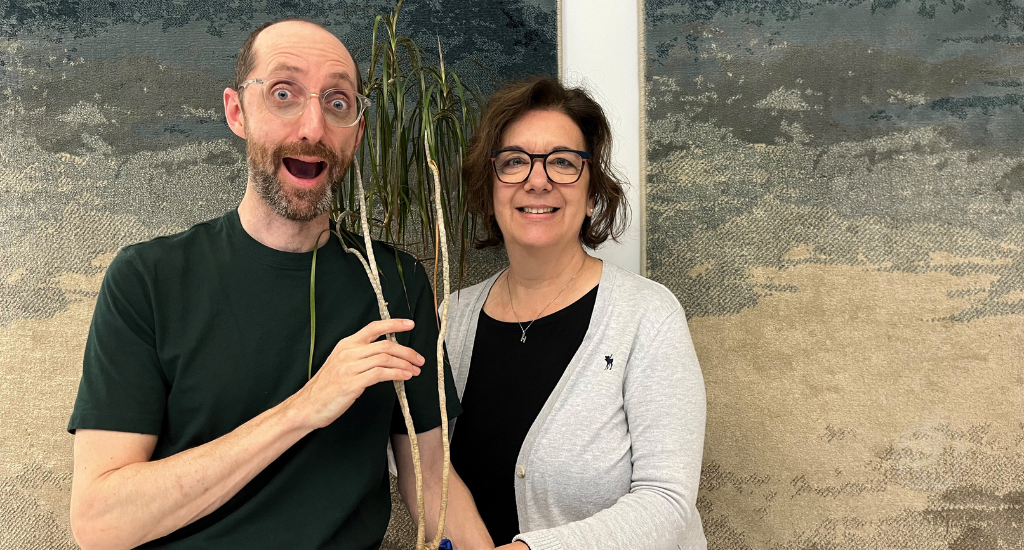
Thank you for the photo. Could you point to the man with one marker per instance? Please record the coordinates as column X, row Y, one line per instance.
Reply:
column 196, row 425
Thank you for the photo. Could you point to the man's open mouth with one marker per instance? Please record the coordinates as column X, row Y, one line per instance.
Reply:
column 302, row 169
column 528, row 210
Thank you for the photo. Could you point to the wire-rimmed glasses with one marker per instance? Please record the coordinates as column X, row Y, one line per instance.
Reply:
column 287, row 98
column 561, row 165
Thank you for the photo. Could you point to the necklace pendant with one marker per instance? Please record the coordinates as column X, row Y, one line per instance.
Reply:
column 523, row 339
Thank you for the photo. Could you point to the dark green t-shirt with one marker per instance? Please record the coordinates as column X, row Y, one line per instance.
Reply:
column 196, row 333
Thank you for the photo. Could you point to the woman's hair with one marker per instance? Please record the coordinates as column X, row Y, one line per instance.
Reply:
column 508, row 105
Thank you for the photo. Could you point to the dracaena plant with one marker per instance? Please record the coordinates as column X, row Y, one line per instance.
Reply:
column 412, row 150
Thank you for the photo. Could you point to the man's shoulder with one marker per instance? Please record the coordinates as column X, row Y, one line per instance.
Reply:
column 175, row 247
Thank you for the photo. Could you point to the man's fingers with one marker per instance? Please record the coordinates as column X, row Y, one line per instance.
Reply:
column 376, row 329
column 382, row 374
column 390, row 348
column 386, row 361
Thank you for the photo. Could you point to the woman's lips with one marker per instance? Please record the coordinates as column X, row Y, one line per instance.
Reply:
column 537, row 209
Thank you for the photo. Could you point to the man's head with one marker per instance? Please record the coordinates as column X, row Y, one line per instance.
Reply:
column 296, row 159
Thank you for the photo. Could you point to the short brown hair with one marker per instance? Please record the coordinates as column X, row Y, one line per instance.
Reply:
column 247, row 57
column 509, row 104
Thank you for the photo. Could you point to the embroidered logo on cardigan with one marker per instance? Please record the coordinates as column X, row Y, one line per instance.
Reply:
column 608, row 359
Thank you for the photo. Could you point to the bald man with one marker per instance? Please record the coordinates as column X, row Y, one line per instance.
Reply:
column 197, row 424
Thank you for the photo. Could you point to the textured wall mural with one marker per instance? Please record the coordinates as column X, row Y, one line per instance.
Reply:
column 836, row 194
column 112, row 132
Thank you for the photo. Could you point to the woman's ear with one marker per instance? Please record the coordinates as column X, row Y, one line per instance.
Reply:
column 233, row 112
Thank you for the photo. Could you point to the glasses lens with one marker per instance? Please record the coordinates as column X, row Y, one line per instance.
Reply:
column 512, row 166
column 341, row 107
column 285, row 98
column 564, row 166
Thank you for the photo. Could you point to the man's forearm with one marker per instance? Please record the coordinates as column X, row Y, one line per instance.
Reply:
column 142, row 501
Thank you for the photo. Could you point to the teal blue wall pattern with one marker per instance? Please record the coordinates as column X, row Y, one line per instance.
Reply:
column 835, row 192
column 112, row 132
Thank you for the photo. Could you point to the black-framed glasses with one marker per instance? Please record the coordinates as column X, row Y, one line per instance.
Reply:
column 561, row 166
column 287, row 98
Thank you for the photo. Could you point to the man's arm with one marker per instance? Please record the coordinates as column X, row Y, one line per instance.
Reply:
column 462, row 523
column 121, row 499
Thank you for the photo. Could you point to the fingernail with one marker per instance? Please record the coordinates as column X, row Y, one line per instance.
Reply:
column 418, row 370
column 420, row 358
column 409, row 323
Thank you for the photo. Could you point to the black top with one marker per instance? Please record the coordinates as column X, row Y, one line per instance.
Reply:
column 194, row 334
column 509, row 382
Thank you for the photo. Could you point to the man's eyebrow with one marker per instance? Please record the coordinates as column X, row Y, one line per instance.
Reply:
column 342, row 76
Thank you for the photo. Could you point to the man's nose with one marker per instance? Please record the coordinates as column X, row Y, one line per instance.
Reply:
column 311, row 121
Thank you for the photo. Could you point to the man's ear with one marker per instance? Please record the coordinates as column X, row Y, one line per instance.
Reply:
column 359, row 134
column 233, row 112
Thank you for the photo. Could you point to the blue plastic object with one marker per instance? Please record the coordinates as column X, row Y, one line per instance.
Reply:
column 445, row 545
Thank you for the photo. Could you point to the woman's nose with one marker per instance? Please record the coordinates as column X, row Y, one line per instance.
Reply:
column 538, row 179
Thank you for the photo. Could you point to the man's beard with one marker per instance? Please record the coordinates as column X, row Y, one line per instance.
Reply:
column 291, row 202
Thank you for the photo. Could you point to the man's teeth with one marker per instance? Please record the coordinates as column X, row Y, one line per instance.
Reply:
column 537, row 210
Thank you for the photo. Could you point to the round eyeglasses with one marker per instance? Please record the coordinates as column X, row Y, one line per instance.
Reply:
column 561, row 166
column 288, row 99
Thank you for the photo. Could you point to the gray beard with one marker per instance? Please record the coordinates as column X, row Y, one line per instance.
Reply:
column 301, row 205
column 294, row 204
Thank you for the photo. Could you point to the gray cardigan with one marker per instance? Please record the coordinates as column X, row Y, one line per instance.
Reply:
column 613, row 459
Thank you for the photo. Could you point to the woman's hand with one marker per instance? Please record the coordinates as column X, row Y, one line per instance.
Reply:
column 517, row 545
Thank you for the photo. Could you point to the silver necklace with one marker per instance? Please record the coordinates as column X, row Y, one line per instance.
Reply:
column 508, row 287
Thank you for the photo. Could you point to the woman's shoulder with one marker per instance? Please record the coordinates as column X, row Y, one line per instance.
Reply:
column 642, row 295
column 469, row 298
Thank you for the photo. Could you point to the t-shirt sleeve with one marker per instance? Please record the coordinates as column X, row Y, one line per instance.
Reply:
column 421, row 390
column 123, row 387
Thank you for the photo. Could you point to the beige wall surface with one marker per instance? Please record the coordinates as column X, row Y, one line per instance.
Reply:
column 836, row 195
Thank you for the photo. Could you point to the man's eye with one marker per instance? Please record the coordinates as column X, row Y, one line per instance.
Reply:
column 339, row 104
column 282, row 94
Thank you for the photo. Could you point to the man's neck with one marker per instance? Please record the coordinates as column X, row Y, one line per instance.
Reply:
column 274, row 231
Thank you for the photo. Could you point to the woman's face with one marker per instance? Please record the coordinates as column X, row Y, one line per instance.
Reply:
column 538, row 213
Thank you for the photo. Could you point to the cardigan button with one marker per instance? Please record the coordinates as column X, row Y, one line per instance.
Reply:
column 521, row 471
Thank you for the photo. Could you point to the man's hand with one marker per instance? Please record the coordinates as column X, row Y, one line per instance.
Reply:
column 356, row 363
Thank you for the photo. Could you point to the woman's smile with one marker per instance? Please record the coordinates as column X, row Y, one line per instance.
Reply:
column 538, row 210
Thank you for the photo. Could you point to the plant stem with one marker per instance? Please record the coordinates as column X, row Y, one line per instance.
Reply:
column 442, row 243
column 370, row 265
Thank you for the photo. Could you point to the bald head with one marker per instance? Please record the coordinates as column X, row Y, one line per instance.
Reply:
column 292, row 30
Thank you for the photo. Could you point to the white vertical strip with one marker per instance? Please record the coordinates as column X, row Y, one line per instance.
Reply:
column 600, row 50
column 558, row 18
column 641, row 79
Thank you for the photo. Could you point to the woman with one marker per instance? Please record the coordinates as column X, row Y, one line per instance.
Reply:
column 583, row 403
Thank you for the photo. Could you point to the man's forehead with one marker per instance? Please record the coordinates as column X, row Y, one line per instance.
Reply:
column 298, row 47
